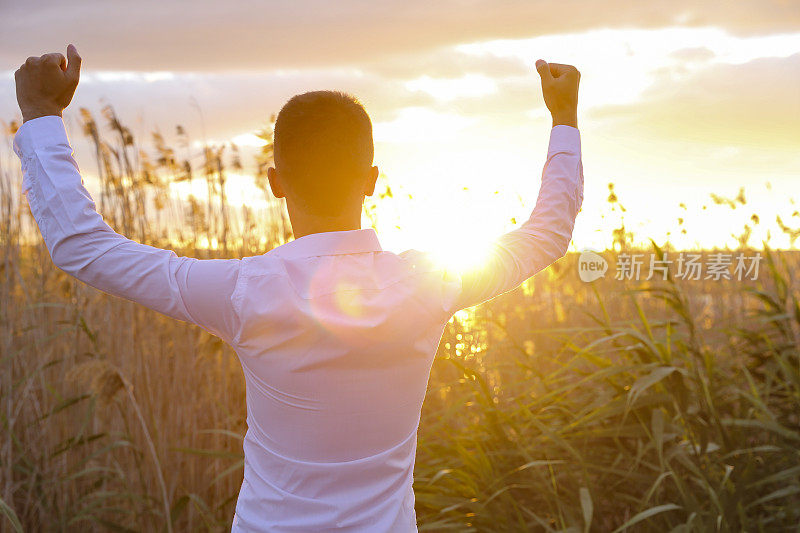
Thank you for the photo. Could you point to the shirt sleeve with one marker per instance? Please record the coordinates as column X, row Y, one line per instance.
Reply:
column 83, row 245
column 542, row 239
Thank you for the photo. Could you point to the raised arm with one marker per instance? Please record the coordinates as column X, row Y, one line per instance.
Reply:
column 544, row 237
column 79, row 241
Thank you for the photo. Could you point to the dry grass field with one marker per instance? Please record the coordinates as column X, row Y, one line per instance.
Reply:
column 661, row 405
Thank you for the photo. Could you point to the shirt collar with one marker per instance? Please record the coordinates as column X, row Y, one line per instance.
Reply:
column 331, row 243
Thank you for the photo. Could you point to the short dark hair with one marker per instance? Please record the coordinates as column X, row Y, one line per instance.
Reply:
column 323, row 147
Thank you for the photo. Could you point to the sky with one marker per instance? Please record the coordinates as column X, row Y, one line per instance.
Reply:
column 678, row 99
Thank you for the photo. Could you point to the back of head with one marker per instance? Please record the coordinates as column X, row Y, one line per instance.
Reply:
column 323, row 150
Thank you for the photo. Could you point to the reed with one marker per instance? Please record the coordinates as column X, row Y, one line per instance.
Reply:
column 562, row 406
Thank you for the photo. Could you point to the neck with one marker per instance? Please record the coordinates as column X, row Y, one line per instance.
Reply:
column 305, row 224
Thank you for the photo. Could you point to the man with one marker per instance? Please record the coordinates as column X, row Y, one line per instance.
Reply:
column 335, row 336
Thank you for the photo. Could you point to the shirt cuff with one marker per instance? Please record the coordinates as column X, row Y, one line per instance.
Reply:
column 39, row 133
column 564, row 138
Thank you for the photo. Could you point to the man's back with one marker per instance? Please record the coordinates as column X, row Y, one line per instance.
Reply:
column 337, row 339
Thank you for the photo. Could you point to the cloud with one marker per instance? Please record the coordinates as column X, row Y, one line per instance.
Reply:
column 447, row 89
column 201, row 35
column 619, row 66
column 420, row 124
column 755, row 105
column 444, row 62
column 220, row 105
column 694, row 53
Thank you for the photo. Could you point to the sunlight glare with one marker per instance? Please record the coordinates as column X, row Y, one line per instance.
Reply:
column 461, row 251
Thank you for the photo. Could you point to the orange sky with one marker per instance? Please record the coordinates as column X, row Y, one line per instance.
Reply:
column 678, row 99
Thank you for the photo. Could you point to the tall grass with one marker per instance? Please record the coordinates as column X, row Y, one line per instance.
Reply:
column 563, row 406
column 648, row 424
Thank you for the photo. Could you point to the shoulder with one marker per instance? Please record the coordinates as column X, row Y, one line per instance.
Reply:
column 262, row 264
column 441, row 283
column 418, row 260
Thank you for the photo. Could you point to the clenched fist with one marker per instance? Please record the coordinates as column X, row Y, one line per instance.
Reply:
column 560, row 90
column 46, row 84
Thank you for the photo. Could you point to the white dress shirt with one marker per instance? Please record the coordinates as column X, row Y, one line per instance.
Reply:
column 336, row 336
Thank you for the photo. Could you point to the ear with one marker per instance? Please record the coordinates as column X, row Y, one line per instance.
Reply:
column 274, row 184
column 372, row 178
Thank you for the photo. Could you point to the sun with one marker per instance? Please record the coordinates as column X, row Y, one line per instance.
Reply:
column 457, row 247
column 461, row 252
